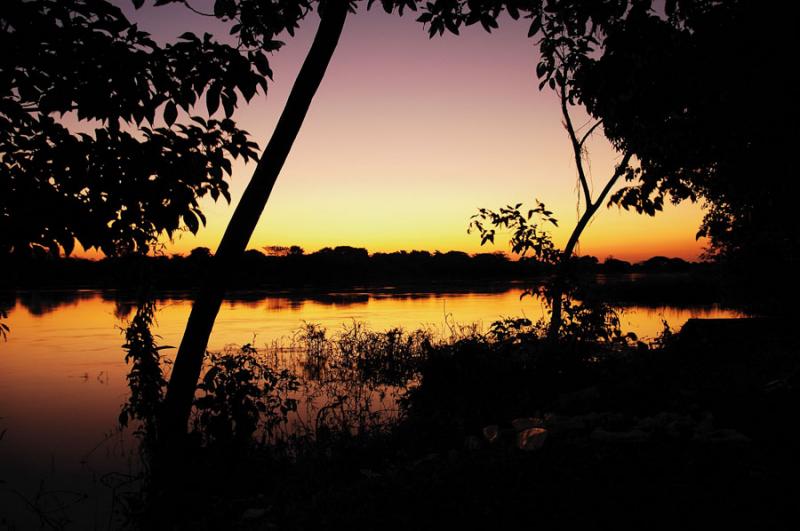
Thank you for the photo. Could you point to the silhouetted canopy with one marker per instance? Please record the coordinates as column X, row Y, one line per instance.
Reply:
column 702, row 96
column 91, row 148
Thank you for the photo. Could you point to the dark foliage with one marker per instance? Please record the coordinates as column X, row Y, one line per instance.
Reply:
column 711, row 408
column 3, row 326
column 704, row 111
column 91, row 146
column 145, row 378
column 239, row 394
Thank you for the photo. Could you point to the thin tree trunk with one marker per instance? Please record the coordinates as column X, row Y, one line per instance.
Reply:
column 563, row 264
column 189, row 361
column 559, row 282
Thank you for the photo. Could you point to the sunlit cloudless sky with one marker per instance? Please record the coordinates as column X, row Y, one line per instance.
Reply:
column 408, row 136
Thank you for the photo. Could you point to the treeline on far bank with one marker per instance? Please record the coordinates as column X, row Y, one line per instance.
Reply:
column 291, row 267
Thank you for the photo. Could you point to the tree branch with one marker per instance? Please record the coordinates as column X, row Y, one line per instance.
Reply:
column 32, row 108
column 617, row 174
column 589, row 132
column 577, row 146
column 591, row 208
column 189, row 360
column 197, row 11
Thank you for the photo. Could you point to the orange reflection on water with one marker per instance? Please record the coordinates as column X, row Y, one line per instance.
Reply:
column 62, row 369
column 63, row 376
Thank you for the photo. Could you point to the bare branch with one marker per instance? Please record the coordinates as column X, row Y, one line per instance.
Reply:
column 589, row 132
column 591, row 208
column 623, row 165
column 189, row 6
column 577, row 147
column 31, row 108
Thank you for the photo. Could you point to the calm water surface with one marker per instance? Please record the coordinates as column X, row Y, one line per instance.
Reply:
column 63, row 376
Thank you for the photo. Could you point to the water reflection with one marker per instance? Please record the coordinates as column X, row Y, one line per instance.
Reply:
column 63, row 376
column 63, row 354
column 44, row 302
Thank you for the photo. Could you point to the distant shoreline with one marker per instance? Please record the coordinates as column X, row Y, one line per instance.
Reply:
column 657, row 281
column 329, row 267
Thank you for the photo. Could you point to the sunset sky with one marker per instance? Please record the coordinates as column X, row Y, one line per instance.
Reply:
column 408, row 136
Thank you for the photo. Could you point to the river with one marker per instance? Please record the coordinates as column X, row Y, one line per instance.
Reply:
column 63, row 375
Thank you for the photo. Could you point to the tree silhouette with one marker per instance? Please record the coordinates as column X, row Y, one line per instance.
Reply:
column 188, row 363
column 676, row 87
column 700, row 107
column 257, row 23
column 668, row 86
column 91, row 148
column 569, row 32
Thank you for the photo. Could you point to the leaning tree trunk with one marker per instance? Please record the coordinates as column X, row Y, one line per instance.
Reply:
column 560, row 280
column 189, row 361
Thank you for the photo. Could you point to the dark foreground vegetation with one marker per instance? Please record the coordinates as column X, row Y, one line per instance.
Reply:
column 491, row 429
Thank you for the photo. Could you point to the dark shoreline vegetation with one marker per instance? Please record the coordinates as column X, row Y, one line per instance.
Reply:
column 351, row 274
column 342, row 265
column 489, row 428
column 656, row 280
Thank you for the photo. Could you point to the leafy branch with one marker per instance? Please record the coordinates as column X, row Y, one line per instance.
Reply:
column 528, row 235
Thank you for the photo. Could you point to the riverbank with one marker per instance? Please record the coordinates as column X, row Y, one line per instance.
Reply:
column 694, row 432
